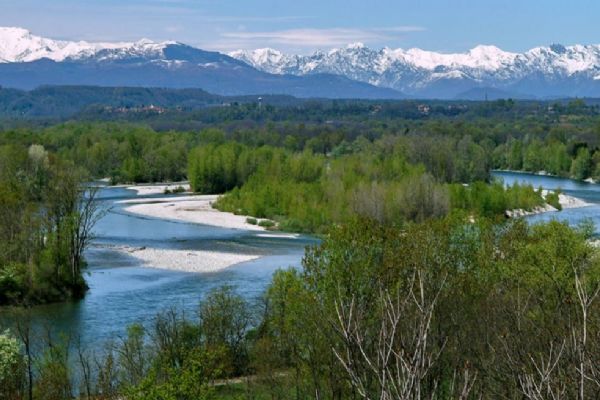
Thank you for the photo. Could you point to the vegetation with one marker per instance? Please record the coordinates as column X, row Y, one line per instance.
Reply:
column 307, row 192
column 45, row 224
column 448, row 308
column 420, row 287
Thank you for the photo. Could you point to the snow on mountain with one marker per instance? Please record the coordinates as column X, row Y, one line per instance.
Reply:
column 19, row 45
column 547, row 71
column 28, row 61
column 414, row 69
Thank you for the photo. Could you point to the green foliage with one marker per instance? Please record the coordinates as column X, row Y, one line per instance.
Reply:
column 509, row 287
column 54, row 380
column 224, row 322
column 12, row 366
column 494, row 199
column 266, row 223
column 45, row 221
column 499, row 296
column 553, row 198
column 190, row 381
column 581, row 168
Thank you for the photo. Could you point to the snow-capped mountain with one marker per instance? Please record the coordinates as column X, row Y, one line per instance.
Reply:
column 543, row 71
column 20, row 45
column 28, row 61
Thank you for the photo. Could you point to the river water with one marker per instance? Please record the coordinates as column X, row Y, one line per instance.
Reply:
column 124, row 291
column 589, row 192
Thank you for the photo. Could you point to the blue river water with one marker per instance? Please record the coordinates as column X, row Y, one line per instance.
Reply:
column 589, row 192
column 123, row 291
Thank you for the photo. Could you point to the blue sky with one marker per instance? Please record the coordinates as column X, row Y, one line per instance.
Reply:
column 305, row 25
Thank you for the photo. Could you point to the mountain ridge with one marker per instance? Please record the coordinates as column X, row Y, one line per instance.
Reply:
column 354, row 71
column 29, row 61
column 416, row 72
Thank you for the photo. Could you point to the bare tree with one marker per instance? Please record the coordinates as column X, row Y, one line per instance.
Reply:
column 586, row 294
column 23, row 328
column 86, row 369
column 543, row 383
column 397, row 364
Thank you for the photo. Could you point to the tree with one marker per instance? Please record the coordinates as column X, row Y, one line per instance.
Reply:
column 224, row 322
column 582, row 164
column 12, row 374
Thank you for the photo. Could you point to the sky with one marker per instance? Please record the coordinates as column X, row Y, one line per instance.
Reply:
column 302, row 26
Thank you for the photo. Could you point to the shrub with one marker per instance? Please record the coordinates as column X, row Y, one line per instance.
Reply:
column 11, row 365
column 266, row 223
column 251, row 221
column 552, row 198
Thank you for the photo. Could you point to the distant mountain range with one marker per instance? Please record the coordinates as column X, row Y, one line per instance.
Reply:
column 356, row 71
column 28, row 61
column 542, row 72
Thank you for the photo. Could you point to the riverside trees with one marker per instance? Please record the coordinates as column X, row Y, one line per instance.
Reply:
column 46, row 216
column 449, row 308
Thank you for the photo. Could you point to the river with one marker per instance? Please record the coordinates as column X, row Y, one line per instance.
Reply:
column 124, row 291
column 589, row 192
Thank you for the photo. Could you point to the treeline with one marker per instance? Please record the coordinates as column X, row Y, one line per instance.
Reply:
column 173, row 107
column 571, row 159
column 392, row 180
column 123, row 153
column 45, row 224
column 451, row 309
column 559, row 138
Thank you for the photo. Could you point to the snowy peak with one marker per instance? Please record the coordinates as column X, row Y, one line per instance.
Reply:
column 262, row 57
column 546, row 71
column 415, row 70
column 20, row 45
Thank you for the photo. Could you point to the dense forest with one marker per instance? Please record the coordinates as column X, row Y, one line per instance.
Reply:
column 420, row 287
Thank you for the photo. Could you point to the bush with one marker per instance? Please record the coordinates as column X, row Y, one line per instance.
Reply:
column 266, row 223
column 11, row 366
column 552, row 198
column 251, row 221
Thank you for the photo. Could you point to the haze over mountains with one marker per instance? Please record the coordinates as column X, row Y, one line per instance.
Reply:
column 356, row 71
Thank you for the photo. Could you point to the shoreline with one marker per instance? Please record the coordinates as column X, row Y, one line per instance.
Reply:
column 186, row 208
column 195, row 209
column 546, row 174
column 194, row 261
column 566, row 202
column 159, row 188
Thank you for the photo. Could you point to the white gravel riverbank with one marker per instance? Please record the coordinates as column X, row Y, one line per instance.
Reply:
column 199, row 261
column 194, row 209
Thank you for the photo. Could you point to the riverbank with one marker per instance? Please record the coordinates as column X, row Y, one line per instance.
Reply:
column 195, row 209
column 198, row 261
column 544, row 173
column 192, row 209
column 565, row 201
column 153, row 189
